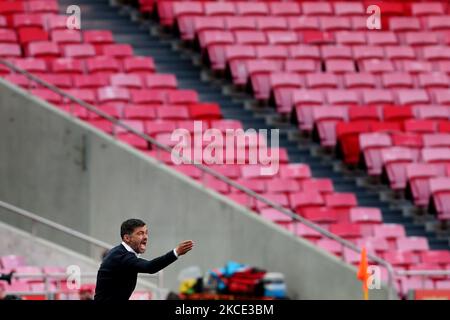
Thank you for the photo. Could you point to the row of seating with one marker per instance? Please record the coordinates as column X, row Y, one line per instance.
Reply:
column 403, row 29
column 169, row 12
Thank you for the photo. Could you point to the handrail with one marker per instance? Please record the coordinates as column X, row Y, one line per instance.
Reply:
column 93, row 241
column 205, row 169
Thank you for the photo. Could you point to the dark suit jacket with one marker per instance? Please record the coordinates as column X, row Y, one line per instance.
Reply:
column 117, row 276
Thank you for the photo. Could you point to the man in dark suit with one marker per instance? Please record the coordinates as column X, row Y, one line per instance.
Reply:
column 117, row 276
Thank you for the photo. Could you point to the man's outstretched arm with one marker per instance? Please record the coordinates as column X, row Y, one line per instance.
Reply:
column 152, row 266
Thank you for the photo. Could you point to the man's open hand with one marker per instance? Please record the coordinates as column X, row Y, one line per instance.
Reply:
column 184, row 247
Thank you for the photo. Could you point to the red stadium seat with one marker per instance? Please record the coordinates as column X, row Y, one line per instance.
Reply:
column 295, row 171
column 347, row 231
column 136, row 112
column 348, row 137
column 204, row 111
column 322, row 215
column 119, row 51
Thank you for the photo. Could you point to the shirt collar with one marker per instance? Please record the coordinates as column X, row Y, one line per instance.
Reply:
column 129, row 249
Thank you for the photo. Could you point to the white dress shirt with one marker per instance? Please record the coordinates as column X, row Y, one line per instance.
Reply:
column 130, row 249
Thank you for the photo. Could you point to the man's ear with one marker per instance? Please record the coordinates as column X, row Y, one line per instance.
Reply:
column 126, row 238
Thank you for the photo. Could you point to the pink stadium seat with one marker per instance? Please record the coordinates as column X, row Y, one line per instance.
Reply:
column 139, row 65
column 427, row 9
column 376, row 66
column 349, row 8
column 412, row 244
column 334, row 24
column 359, row 81
column 397, row 80
column 149, row 96
column 437, row 156
column 126, row 80
column 90, row 81
column 184, row 13
column 238, row 23
column 437, row 257
column 376, row 246
column 342, row 203
column 215, row 43
column 322, row 215
column 304, row 100
column 440, row 190
column 377, row 96
column 283, row 85
column 325, row 119
column 305, row 232
column 207, row 23
column 382, row 38
column 372, row 145
column 336, row 52
column 35, row 66
column 339, row 66
column 295, row 171
column 330, row 246
column 172, row 112
column 236, row 57
column 182, row 97
column 284, row 8
column 67, row 66
column 274, row 53
column 79, row 51
column 301, row 66
column 436, row 140
column 367, row 218
column 282, row 37
column 432, row 112
column 118, row 51
column 275, row 215
column 137, row 112
column 252, row 9
column 58, row 80
column 303, row 200
column 418, row 175
column 43, row 6
column 345, row 98
column 10, row 50
column 303, row 23
column 112, row 94
column 404, row 24
column 271, row 23
column 12, row 261
column 321, row 81
column 259, row 72
column 219, row 9
column 416, row 67
column 435, row 80
column 317, row 9
column 366, row 113
column 323, row 185
column 361, row 53
column 350, row 38
column 395, row 161
column 400, row 258
column 161, row 81
column 438, row 23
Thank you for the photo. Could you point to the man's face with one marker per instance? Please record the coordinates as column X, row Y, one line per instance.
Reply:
column 138, row 239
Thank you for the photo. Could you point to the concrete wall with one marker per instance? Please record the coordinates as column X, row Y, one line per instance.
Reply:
column 42, row 169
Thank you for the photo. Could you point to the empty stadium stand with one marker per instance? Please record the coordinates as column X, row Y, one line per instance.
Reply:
column 313, row 70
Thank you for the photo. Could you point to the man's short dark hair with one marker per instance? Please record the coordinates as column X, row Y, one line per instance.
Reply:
column 129, row 226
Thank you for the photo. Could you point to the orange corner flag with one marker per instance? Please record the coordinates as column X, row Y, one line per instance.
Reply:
column 362, row 273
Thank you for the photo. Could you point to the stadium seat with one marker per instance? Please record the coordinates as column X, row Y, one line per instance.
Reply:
column 372, row 145
column 440, row 191
column 418, row 175
column 395, row 161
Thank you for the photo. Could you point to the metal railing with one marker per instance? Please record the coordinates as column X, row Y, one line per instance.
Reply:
column 36, row 219
column 206, row 170
column 50, row 292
